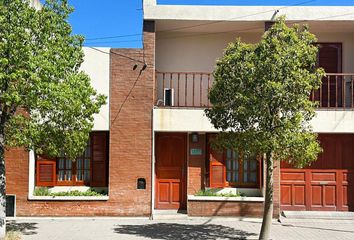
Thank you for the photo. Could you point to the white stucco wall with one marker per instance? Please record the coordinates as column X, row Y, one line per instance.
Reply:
column 194, row 54
column 200, row 52
column 96, row 65
column 194, row 120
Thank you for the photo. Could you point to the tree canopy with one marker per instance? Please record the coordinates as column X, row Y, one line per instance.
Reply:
column 260, row 96
column 261, row 101
column 47, row 102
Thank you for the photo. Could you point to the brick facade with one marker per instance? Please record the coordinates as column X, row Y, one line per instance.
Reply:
column 227, row 208
column 130, row 152
column 196, row 165
column 131, row 102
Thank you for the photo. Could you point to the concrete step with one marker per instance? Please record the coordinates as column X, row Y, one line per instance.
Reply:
column 318, row 215
column 170, row 215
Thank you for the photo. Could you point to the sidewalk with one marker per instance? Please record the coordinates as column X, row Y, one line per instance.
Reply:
column 192, row 228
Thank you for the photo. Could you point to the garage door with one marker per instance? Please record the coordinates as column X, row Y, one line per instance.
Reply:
column 328, row 184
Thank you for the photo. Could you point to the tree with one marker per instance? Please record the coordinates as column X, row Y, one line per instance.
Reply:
column 46, row 103
column 260, row 101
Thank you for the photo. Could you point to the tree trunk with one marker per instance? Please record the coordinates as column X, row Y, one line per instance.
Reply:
column 268, row 205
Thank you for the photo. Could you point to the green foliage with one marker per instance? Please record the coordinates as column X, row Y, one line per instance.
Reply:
column 260, row 96
column 213, row 193
column 41, row 191
column 44, row 191
column 47, row 102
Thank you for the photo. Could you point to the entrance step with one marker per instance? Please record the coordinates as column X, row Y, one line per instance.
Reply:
column 318, row 215
column 170, row 215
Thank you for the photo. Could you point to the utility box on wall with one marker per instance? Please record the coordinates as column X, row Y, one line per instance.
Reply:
column 141, row 183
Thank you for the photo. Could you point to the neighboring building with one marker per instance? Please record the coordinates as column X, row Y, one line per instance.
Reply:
column 150, row 145
column 36, row 4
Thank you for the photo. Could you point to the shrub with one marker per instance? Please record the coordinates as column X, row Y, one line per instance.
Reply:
column 41, row 191
column 44, row 191
column 211, row 193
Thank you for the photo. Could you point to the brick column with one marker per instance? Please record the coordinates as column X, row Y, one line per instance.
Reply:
column 131, row 106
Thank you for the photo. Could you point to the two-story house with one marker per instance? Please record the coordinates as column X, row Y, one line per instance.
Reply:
column 149, row 149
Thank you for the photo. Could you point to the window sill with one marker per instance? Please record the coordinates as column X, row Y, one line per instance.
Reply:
column 68, row 198
column 225, row 199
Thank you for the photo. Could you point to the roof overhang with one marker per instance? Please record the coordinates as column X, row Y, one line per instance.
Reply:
column 153, row 11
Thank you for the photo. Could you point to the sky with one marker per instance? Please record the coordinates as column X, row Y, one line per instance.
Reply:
column 111, row 18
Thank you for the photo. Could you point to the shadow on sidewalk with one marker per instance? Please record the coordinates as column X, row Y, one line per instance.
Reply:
column 174, row 231
column 317, row 228
column 25, row 228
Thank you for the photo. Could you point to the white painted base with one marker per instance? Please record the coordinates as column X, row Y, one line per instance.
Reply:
column 225, row 199
column 69, row 198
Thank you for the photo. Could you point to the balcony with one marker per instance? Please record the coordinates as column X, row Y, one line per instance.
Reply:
column 183, row 89
column 190, row 90
column 336, row 92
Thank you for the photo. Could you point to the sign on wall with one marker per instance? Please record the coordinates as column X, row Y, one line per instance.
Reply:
column 196, row 151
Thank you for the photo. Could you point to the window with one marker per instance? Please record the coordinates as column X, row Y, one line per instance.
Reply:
column 75, row 172
column 231, row 168
column 90, row 168
column 241, row 169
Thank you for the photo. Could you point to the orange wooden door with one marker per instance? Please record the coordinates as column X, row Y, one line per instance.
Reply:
column 171, row 170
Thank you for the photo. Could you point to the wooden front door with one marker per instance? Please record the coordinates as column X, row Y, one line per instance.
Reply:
column 330, row 59
column 171, row 170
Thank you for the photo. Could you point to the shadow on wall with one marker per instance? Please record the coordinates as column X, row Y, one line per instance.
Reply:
column 174, row 231
column 23, row 228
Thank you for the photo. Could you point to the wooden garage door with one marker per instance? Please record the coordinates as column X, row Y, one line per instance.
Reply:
column 328, row 184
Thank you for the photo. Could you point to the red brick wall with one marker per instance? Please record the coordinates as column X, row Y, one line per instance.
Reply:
column 276, row 186
column 221, row 208
column 196, row 168
column 131, row 103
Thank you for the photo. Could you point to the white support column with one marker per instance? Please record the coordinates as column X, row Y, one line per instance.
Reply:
column 153, row 171
column 31, row 173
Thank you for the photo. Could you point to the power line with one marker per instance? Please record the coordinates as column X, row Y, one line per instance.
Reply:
column 250, row 29
column 230, row 31
column 112, row 37
column 124, row 41
column 201, row 24
column 118, row 54
column 239, row 17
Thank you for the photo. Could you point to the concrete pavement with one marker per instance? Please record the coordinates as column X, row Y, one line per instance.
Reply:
column 186, row 229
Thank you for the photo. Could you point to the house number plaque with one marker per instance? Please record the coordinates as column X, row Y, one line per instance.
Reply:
column 196, row 151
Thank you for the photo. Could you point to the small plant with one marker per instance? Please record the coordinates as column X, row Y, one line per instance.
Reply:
column 41, row 191
column 76, row 193
column 44, row 191
column 211, row 193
